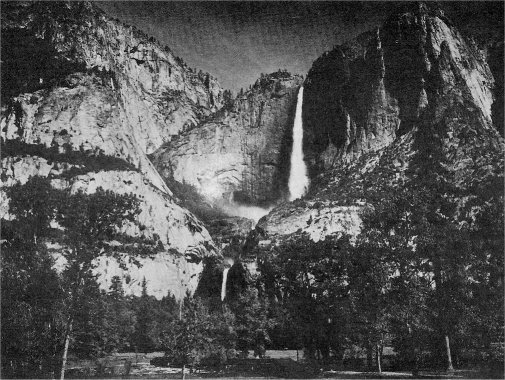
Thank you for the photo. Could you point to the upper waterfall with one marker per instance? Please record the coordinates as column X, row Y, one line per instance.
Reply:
column 298, row 179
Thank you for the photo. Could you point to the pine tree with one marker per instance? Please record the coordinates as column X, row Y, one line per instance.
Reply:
column 30, row 291
column 252, row 322
column 387, row 267
column 312, row 279
column 227, row 100
column 90, row 223
column 198, row 335
column 119, row 319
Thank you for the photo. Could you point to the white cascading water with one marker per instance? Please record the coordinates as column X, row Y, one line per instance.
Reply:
column 228, row 263
column 223, row 285
column 298, row 179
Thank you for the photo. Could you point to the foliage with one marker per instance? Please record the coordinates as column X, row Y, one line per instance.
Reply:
column 171, row 95
column 106, row 322
column 31, row 292
column 209, row 285
column 53, row 307
column 312, row 278
column 31, row 301
column 280, row 74
column 252, row 322
column 427, row 230
column 21, row 50
column 151, row 316
column 93, row 226
column 271, row 81
column 82, row 161
column 199, row 335
column 228, row 100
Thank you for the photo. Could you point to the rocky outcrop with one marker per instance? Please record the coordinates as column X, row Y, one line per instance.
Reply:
column 84, row 116
column 242, row 151
column 365, row 93
column 412, row 91
column 85, row 99
column 318, row 219
column 159, row 93
column 230, row 232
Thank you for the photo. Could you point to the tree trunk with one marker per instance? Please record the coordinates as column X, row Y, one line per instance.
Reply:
column 369, row 356
column 438, row 284
column 183, row 371
column 65, row 350
column 450, row 368
column 413, row 352
column 325, row 351
column 73, row 305
column 379, row 358
column 415, row 368
column 309, row 349
column 339, row 352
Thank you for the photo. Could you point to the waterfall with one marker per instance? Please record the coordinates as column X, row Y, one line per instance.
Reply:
column 298, row 179
column 223, row 285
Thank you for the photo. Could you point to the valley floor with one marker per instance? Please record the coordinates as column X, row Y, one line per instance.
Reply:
column 279, row 365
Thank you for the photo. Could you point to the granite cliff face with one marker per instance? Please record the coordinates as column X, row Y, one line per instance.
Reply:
column 160, row 94
column 365, row 93
column 242, row 151
column 375, row 104
column 85, row 99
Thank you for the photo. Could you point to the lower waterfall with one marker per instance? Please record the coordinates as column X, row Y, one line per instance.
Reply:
column 298, row 180
column 223, row 285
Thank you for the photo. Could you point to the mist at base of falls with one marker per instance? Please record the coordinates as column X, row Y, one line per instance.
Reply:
column 254, row 213
column 298, row 180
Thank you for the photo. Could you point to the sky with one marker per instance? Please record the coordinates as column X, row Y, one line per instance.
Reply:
column 237, row 41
